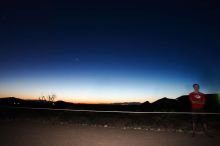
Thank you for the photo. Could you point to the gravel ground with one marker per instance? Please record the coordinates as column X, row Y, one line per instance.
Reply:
column 18, row 133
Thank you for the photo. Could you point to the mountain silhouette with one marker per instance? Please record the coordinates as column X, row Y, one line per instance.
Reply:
column 8, row 101
column 165, row 104
column 180, row 104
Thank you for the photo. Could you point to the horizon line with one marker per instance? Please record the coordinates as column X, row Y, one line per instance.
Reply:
column 98, row 102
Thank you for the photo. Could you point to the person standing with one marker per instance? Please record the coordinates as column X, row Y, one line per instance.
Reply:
column 198, row 101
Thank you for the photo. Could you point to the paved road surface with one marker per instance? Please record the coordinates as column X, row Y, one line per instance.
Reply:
column 35, row 134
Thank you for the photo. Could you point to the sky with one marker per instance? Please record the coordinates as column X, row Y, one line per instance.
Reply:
column 108, row 51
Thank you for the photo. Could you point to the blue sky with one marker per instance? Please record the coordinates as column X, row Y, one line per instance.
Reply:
column 116, row 51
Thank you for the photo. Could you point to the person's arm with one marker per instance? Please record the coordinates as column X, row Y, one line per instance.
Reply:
column 190, row 98
column 196, row 101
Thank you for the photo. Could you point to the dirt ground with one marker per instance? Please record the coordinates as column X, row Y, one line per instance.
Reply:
column 37, row 134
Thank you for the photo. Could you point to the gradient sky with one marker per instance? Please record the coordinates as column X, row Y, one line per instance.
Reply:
column 108, row 51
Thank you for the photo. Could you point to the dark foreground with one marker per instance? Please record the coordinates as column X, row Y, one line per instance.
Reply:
column 20, row 133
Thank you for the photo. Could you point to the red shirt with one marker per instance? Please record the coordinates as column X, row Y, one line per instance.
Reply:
column 197, row 100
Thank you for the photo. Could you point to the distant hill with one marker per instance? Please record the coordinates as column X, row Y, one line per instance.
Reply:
column 165, row 104
column 11, row 101
column 181, row 103
column 127, row 103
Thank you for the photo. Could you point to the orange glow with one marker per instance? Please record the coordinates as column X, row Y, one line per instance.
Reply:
column 80, row 101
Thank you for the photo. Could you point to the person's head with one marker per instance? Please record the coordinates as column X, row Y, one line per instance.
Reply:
column 196, row 87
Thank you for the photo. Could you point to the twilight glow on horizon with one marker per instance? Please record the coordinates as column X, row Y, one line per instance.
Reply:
column 101, row 52
column 96, row 88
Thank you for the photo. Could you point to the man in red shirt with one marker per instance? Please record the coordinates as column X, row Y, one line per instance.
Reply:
column 197, row 100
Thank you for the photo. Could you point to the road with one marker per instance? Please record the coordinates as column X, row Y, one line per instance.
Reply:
column 36, row 134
